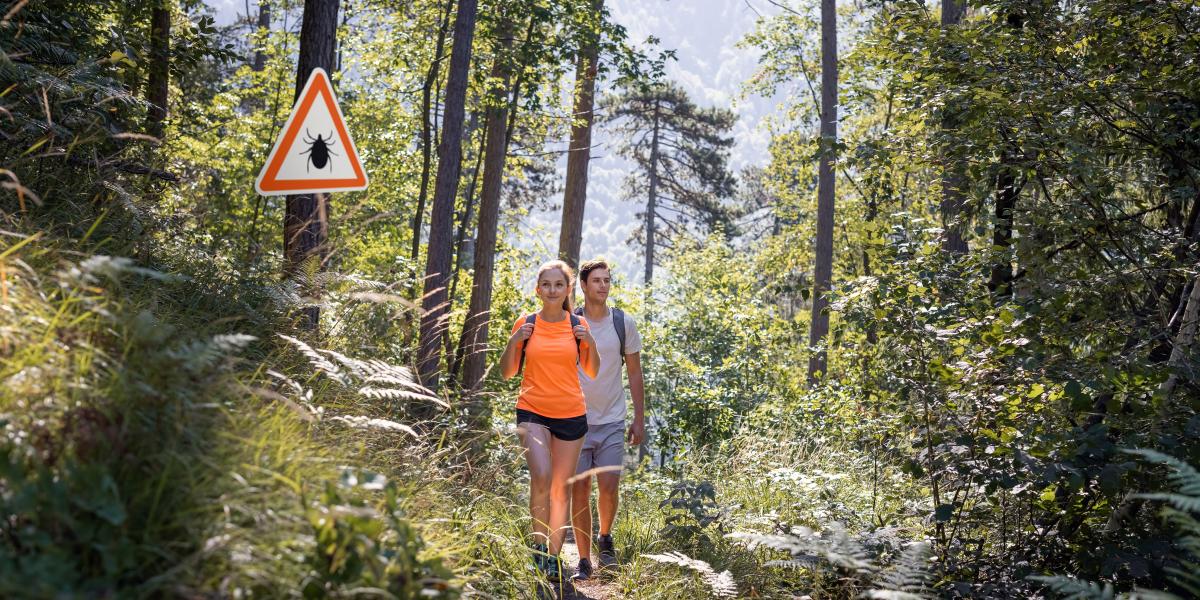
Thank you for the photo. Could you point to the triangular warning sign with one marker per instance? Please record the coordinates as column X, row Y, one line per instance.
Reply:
column 314, row 153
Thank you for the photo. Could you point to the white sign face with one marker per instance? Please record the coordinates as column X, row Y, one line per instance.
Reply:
column 314, row 152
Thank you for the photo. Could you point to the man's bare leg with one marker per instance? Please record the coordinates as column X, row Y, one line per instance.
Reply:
column 608, row 498
column 581, row 516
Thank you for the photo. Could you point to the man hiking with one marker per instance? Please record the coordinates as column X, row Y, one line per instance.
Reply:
column 615, row 335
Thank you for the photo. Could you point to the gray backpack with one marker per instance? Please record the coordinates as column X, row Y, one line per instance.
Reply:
column 618, row 324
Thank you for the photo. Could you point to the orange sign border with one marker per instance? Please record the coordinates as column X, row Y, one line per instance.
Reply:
column 268, row 183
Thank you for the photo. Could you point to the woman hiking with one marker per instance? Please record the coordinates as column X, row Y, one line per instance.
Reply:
column 551, row 413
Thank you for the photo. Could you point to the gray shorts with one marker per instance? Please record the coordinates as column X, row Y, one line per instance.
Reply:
column 603, row 446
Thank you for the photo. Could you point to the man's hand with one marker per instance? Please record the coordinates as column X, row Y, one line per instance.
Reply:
column 637, row 432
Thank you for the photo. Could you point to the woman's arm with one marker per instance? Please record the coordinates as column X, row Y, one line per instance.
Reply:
column 590, row 361
column 511, row 358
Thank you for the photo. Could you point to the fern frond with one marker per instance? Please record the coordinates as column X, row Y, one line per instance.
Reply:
column 798, row 562
column 1076, row 589
column 721, row 584
column 394, row 394
column 362, row 422
column 1182, row 502
column 356, row 366
column 846, row 552
column 91, row 270
column 1185, row 476
column 835, row 547
column 199, row 356
column 907, row 579
column 318, row 361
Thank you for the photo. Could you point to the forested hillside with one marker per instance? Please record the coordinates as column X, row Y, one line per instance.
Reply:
column 941, row 344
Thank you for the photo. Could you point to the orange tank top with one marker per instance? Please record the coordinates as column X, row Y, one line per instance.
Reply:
column 550, row 386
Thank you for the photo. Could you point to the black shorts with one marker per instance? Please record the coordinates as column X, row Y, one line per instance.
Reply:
column 567, row 430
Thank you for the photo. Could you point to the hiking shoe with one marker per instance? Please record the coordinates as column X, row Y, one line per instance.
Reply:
column 552, row 568
column 608, row 556
column 584, row 570
column 539, row 557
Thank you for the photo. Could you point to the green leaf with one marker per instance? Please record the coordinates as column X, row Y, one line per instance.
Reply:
column 943, row 513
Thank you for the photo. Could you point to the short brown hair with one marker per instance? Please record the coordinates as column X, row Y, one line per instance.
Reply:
column 587, row 267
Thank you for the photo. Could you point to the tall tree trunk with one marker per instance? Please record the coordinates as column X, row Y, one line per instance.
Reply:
column 953, row 178
column 160, row 67
column 1007, row 191
column 823, row 269
column 441, row 222
column 468, row 214
column 652, row 199
column 580, row 151
column 1180, row 350
column 427, row 88
column 464, row 221
column 305, row 229
column 872, row 214
column 472, row 345
column 264, row 25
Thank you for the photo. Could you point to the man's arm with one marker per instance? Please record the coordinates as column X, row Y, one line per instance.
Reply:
column 637, row 389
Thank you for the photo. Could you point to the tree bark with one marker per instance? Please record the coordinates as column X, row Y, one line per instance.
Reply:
column 579, row 153
column 468, row 213
column 1181, row 346
column 441, row 222
column 160, row 67
column 1007, row 191
column 264, row 25
column 305, row 229
column 459, row 238
column 427, row 87
column 652, row 199
column 474, row 340
column 823, row 269
column 953, row 178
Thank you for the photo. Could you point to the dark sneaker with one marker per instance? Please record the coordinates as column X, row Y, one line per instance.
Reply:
column 539, row 557
column 608, row 556
column 584, row 570
column 552, row 568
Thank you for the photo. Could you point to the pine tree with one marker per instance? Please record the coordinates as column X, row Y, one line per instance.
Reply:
column 823, row 269
column 681, row 153
column 580, row 153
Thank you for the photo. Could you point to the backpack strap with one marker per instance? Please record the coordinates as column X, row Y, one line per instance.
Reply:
column 618, row 316
column 529, row 320
column 574, row 324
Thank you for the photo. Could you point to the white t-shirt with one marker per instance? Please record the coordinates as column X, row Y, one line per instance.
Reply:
column 605, row 395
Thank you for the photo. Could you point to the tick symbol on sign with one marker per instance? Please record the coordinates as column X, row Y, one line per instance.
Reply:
column 318, row 151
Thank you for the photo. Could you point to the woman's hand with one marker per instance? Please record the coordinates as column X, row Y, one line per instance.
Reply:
column 522, row 333
column 584, row 334
column 510, row 360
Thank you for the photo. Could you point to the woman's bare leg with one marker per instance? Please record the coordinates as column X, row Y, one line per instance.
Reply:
column 564, row 460
column 536, row 440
